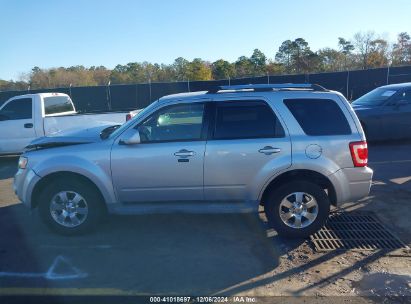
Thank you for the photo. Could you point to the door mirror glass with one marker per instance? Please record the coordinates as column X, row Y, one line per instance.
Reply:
column 132, row 140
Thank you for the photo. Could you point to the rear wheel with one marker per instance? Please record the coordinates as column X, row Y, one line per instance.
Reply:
column 297, row 209
column 70, row 207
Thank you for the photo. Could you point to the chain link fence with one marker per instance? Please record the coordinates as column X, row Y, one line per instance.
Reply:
column 352, row 84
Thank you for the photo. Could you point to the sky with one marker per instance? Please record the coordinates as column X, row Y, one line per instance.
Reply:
column 52, row 33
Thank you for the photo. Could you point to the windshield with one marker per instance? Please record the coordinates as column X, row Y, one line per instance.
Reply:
column 132, row 121
column 375, row 97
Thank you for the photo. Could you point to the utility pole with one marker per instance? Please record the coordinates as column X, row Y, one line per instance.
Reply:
column 149, row 86
column 109, row 95
column 388, row 73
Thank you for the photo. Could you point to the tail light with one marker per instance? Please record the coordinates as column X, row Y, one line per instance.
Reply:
column 128, row 117
column 359, row 153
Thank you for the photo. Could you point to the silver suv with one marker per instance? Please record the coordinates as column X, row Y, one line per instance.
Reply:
column 295, row 149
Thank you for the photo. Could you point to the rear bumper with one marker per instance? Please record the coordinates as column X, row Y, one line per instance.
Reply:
column 351, row 184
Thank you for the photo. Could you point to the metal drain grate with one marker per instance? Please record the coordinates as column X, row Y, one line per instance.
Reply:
column 354, row 231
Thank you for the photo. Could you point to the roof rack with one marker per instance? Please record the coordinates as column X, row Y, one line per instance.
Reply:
column 268, row 87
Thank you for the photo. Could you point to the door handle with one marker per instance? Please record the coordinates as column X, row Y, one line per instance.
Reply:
column 28, row 125
column 268, row 150
column 184, row 153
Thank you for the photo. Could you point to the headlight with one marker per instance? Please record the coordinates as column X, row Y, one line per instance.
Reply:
column 23, row 162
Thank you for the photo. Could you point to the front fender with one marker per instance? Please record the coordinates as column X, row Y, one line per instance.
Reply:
column 96, row 171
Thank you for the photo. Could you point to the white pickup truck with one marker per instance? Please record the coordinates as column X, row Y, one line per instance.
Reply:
column 26, row 117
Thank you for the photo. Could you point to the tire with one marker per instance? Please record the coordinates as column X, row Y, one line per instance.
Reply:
column 316, row 210
column 83, row 215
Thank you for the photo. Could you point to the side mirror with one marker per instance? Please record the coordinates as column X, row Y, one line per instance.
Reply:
column 132, row 140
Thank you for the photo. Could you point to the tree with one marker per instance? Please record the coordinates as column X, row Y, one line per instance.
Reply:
column 378, row 55
column 274, row 68
column 137, row 73
column 150, row 71
column 346, row 48
column 244, row 67
column 365, row 50
column 101, row 74
column 297, row 56
column 119, row 75
column 331, row 60
column 285, row 54
column 259, row 62
column 181, row 67
column 166, row 73
column 401, row 52
column 222, row 69
column 199, row 69
column 363, row 42
column 13, row 85
column 301, row 53
column 39, row 78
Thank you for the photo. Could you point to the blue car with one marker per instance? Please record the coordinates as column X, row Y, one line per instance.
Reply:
column 385, row 113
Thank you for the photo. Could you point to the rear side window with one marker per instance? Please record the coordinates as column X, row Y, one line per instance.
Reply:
column 246, row 119
column 17, row 109
column 57, row 104
column 319, row 116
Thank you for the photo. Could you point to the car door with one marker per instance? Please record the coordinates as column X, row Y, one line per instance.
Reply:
column 16, row 125
column 247, row 146
column 396, row 116
column 167, row 164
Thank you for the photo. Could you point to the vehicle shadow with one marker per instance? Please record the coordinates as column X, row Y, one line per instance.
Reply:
column 151, row 254
column 8, row 166
column 20, row 262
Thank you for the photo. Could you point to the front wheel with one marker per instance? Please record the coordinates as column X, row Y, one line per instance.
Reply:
column 70, row 207
column 297, row 209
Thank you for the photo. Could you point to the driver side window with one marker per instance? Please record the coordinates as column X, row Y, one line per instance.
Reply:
column 17, row 109
column 404, row 97
column 182, row 122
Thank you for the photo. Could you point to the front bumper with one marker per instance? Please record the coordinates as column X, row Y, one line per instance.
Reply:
column 351, row 184
column 23, row 185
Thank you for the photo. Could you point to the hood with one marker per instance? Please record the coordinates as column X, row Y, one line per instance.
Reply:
column 361, row 107
column 364, row 107
column 68, row 138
